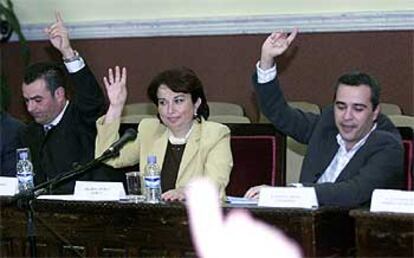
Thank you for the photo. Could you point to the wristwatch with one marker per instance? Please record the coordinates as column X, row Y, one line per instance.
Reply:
column 75, row 57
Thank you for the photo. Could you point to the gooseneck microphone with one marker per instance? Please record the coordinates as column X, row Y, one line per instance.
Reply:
column 129, row 135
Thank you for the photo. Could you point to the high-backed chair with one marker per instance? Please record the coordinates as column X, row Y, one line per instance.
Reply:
column 407, row 134
column 142, row 108
column 230, row 119
column 390, row 109
column 224, row 108
column 258, row 157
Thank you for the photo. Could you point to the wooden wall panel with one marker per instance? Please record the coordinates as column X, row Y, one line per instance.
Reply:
column 225, row 64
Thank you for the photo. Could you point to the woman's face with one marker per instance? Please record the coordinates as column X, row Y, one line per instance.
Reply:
column 176, row 110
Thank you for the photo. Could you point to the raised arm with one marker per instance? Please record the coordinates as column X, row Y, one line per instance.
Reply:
column 108, row 125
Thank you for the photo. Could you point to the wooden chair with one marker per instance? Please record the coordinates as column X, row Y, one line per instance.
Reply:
column 258, row 157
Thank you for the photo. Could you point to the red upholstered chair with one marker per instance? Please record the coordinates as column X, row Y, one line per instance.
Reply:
column 408, row 141
column 258, row 157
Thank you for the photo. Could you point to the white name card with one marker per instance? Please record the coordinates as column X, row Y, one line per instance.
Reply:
column 288, row 197
column 98, row 191
column 392, row 201
column 8, row 186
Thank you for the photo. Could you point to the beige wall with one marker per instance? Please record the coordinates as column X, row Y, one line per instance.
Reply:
column 75, row 11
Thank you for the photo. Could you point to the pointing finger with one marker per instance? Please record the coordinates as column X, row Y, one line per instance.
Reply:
column 58, row 17
column 292, row 35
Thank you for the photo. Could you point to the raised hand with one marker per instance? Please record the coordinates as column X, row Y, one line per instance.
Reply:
column 59, row 37
column 115, row 85
column 275, row 45
column 234, row 235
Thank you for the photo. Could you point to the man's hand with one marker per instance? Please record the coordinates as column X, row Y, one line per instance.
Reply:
column 275, row 45
column 59, row 37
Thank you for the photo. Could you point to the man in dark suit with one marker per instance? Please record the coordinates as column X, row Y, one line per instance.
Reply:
column 62, row 136
column 352, row 148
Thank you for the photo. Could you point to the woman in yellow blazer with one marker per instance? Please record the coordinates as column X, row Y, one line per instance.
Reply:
column 185, row 144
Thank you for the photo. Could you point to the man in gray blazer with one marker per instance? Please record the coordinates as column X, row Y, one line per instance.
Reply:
column 352, row 147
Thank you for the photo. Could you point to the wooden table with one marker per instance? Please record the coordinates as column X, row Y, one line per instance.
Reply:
column 97, row 229
column 384, row 234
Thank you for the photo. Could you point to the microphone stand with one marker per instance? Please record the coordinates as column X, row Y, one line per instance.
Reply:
column 25, row 199
column 42, row 188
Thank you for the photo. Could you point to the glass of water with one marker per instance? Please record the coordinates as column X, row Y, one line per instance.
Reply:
column 134, row 186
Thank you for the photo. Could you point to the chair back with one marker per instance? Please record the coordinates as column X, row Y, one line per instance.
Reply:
column 142, row 108
column 390, row 109
column 135, row 119
column 258, row 157
column 402, row 120
column 407, row 135
column 302, row 105
column 224, row 108
column 230, row 119
column 305, row 106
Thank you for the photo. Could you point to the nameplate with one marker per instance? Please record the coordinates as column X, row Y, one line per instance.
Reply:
column 101, row 191
column 392, row 201
column 8, row 186
column 288, row 197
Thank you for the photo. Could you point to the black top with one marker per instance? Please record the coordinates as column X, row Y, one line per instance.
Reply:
column 172, row 161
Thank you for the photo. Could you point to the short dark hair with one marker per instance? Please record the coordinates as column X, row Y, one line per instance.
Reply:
column 53, row 74
column 180, row 80
column 357, row 79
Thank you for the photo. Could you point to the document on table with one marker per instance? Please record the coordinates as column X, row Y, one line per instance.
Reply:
column 240, row 200
column 92, row 191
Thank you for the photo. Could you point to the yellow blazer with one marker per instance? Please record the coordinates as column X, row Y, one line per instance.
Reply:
column 207, row 152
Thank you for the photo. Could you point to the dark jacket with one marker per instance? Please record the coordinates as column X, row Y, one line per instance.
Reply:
column 70, row 143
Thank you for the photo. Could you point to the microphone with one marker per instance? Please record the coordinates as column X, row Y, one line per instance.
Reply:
column 129, row 135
